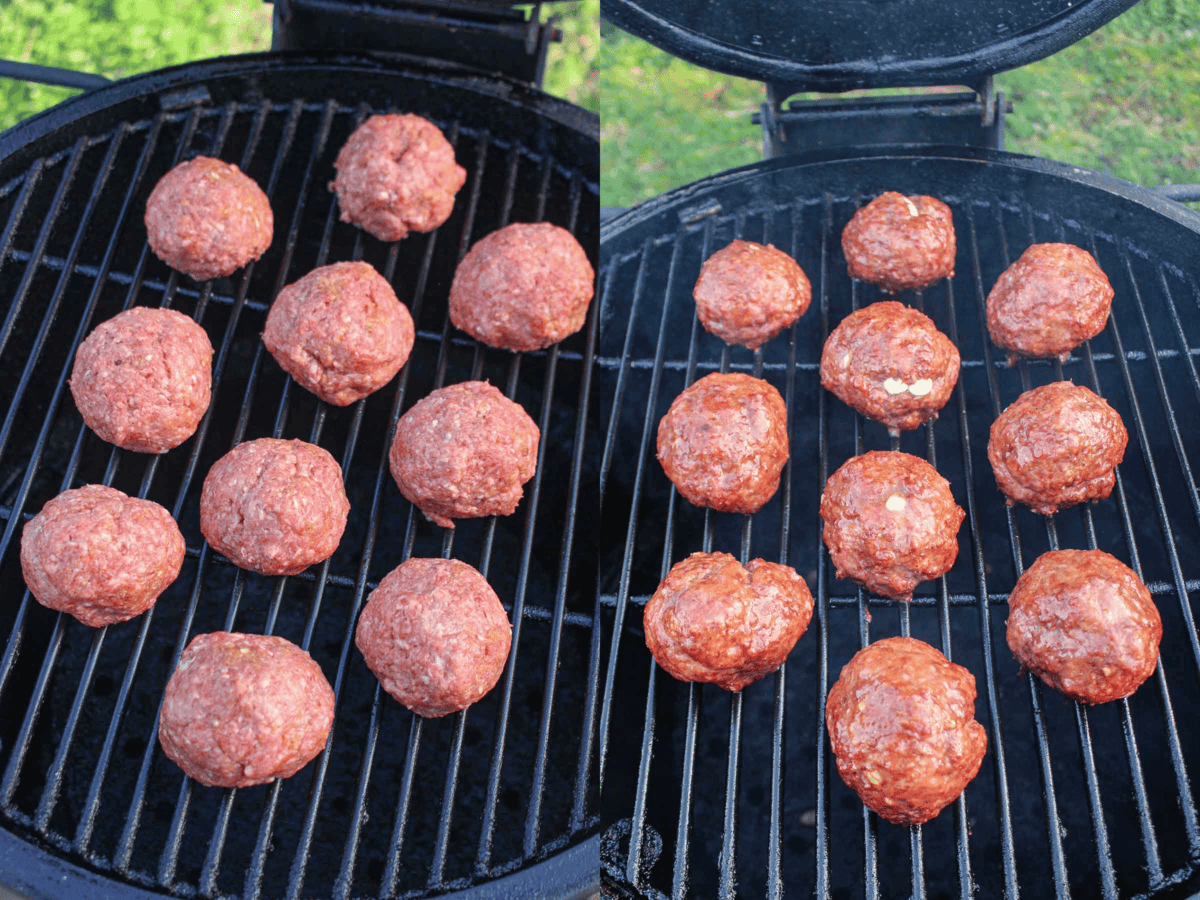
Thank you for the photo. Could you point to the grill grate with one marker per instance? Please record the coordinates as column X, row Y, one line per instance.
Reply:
column 719, row 794
column 481, row 794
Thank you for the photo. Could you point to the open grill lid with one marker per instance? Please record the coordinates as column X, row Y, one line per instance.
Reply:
column 825, row 46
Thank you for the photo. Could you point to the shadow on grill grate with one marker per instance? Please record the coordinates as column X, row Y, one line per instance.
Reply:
column 723, row 795
column 397, row 805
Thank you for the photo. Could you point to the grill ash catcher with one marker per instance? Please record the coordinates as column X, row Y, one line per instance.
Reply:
column 497, row 801
column 711, row 794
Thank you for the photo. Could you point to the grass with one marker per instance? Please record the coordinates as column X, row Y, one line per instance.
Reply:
column 1125, row 100
column 118, row 38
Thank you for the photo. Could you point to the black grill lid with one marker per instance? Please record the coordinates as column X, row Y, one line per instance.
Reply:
column 839, row 45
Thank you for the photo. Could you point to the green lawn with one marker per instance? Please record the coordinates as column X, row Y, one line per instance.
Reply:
column 117, row 38
column 1125, row 100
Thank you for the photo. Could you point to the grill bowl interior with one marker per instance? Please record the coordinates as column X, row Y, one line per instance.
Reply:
column 726, row 795
column 396, row 805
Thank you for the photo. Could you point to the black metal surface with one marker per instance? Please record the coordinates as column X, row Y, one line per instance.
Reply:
column 50, row 75
column 818, row 46
column 718, row 795
column 396, row 806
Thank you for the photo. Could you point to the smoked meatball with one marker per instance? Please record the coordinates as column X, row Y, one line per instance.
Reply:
column 890, row 363
column 901, row 720
column 274, row 507
column 463, row 452
column 1049, row 301
column 890, row 522
column 724, row 442
column 1083, row 622
column 748, row 293
column 143, row 379
column 340, row 332
column 1057, row 446
column 900, row 243
column 206, row 219
column 712, row 620
column 396, row 174
column 524, row 287
column 100, row 555
column 435, row 635
column 244, row 709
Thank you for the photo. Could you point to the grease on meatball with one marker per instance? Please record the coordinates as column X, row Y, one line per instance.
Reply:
column 712, row 620
column 747, row 293
column 900, row 243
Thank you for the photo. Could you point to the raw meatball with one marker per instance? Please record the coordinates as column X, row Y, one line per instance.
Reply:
column 206, row 219
column 900, row 243
column 748, row 293
column 274, row 507
column 724, row 442
column 435, row 635
column 1084, row 623
column 712, row 620
column 901, row 721
column 340, row 332
column 890, row 522
column 891, row 364
column 1049, row 301
column 463, row 452
column 100, row 555
column 524, row 287
column 1057, row 446
column 396, row 174
column 244, row 709
column 143, row 379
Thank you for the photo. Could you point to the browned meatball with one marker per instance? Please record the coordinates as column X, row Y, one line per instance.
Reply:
column 206, row 219
column 1057, row 446
column 100, row 555
column 243, row 709
column 724, row 442
column 900, row 243
column 274, row 507
column 524, row 287
column 435, row 635
column 712, row 620
column 396, row 174
column 748, row 293
column 901, row 721
column 340, row 332
column 143, row 379
column 463, row 452
column 890, row 522
column 890, row 363
column 1049, row 301
column 1083, row 622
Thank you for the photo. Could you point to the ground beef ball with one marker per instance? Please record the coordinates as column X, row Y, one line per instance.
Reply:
column 143, row 379
column 340, row 332
column 206, row 219
column 274, row 507
column 1056, row 446
column 396, row 174
column 890, row 522
column 748, row 293
column 1049, row 301
column 100, row 555
column 1083, row 622
column 435, row 635
column 724, row 442
column 712, row 620
column 901, row 721
column 463, row 452
column 900, row 243
column 890, row 363
column 244, row 709
column 524, row 287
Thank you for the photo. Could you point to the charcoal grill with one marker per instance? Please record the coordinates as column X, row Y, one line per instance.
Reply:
column 707, row 794
column 497, row 801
